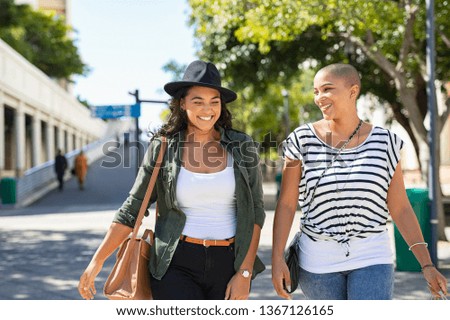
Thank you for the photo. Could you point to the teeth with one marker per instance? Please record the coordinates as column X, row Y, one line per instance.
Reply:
column 206, row 118
column 326, row 107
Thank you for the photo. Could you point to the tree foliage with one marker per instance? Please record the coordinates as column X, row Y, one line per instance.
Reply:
column 259, row 43
column 42, row 39
column 175, row 69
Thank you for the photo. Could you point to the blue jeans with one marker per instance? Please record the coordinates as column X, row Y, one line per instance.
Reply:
column 369, row 283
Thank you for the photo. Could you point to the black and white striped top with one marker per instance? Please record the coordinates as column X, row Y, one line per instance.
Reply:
column 351, row 198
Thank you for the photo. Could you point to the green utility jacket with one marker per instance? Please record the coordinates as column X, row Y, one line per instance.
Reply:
column 171, row 219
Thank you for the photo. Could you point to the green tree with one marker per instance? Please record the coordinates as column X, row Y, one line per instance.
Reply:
column 42, row 39
column 263, row 42
column 8, row 13
column 174, row 68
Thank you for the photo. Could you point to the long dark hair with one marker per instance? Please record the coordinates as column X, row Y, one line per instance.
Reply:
column 178, row 120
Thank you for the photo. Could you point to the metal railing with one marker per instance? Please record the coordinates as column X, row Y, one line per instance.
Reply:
column 40, row 179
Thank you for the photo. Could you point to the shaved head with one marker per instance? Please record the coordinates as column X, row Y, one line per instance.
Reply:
column 344, row 71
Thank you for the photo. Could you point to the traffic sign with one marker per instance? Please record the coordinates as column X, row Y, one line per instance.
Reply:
column 116, row 111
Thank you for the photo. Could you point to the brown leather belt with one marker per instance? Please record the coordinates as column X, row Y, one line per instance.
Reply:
column 208, row 243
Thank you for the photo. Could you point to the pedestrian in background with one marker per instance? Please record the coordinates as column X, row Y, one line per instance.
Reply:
column 209, row 194
column 346, row 176
column 81, row 167
column 60, row 168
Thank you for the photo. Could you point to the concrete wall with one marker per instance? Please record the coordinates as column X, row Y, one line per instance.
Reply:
column 29, row 102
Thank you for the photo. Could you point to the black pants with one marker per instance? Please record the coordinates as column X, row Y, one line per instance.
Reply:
column 196, row 273
column 60, row 177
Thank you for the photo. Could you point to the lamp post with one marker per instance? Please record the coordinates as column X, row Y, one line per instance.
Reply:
column 285, row 95
column 138, row 144
column 135, row 94
column 433, row 173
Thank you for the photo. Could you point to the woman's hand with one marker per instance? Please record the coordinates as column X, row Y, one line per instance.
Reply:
column 436, row 281
column 282, row 223
column 116, row 234
column 281, row 278
column 86, row 286
column 238, row 288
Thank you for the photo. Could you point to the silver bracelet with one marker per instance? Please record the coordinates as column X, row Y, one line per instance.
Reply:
column 416, row 244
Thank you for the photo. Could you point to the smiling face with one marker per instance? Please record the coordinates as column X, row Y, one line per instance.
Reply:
column 334, row 95
column 203, row 107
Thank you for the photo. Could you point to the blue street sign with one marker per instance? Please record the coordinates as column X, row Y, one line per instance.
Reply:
column 117, row 111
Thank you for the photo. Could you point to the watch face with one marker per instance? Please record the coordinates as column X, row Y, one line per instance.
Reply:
column 245, row 273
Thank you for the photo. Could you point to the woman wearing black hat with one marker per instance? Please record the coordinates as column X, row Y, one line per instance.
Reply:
column 209, row 193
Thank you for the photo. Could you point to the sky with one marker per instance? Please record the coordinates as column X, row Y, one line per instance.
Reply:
column 126, row 43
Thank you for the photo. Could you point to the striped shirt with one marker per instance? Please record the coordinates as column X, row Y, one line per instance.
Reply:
column 351, row 198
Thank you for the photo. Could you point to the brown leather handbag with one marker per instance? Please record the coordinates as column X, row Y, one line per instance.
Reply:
column 129, row 278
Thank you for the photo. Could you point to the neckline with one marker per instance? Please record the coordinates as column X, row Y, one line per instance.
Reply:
column 228, row 165
column 206, row 174
column 311, row 127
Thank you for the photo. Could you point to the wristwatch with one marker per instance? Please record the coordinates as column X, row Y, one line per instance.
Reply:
column 245, row 273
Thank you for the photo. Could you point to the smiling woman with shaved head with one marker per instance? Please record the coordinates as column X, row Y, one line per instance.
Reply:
column 346, row 176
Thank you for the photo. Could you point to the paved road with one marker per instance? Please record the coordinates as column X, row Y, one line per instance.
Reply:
column 45, row 247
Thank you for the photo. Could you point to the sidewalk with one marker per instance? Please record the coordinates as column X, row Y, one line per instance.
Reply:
column 43, row 256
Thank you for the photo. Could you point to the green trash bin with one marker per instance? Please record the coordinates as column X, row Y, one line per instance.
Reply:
column 418, row 197
column 8, row 190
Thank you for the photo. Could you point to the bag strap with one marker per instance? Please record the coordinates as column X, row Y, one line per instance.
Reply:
column 331, row 163
column 149, row 191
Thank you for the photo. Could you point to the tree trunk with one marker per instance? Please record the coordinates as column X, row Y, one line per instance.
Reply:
column 403, row 121
column 424, row 159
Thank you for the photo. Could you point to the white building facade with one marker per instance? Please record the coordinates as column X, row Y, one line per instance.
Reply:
column 37, row 117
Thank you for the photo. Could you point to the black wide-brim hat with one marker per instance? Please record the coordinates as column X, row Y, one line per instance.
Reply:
column 204, row 74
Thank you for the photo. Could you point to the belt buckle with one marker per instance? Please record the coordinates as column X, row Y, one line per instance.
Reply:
column 204, row 243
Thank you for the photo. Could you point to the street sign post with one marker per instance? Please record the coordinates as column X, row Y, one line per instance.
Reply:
column 117, row 111
column 135, row 94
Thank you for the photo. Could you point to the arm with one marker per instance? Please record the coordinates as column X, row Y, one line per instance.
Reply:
column 284, row 215
column 116, row 234
column 122, row 226
column 406, row 221
column 239, row 287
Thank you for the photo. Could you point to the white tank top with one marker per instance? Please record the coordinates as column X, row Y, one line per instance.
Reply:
column 209, row 202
